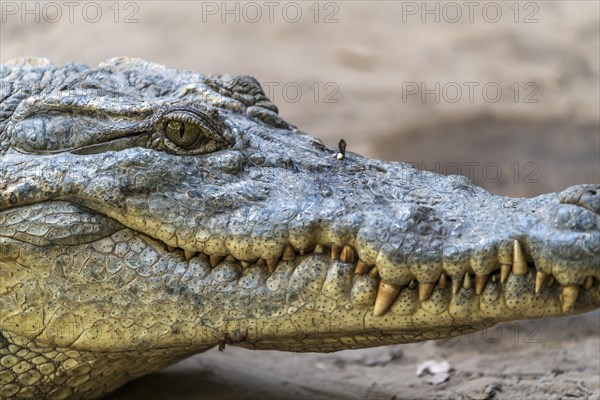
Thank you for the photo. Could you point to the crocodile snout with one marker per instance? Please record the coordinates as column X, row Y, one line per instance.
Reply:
column 564, row 239
column 587, row 196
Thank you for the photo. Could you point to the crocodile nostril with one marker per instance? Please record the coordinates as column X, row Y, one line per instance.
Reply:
column 587, row 196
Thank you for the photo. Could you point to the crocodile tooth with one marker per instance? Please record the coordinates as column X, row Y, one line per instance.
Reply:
column 261, row 262
column 374, row 273
column 189, row 254
column 272, row 264
column 519, row 266
column 347, row 255
column 504, row 272
column 588, row 283
column 467, row 281
column 245, row 264
column 495, row 278
column 386, row 294
column 230, row 258
column 361, row 268
column 569, row 296
column 425, row 290
column 456, row 284
column 335, row 252
column 215, row 260
column 480, row 281
column 288, row 253
column 319, row 249
column 412, row 284
column 443, row 281
column 170, row 248
column 540, row 280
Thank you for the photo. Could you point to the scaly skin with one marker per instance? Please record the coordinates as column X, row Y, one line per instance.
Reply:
column 125, row 248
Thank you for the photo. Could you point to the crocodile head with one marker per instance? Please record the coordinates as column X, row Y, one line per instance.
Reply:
column 147, row 214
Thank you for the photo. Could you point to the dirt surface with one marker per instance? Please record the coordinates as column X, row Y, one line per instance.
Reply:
column 356, row 69
column 542, row 359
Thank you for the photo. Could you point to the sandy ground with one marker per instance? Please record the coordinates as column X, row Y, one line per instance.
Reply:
column 542, row 359
column 350, row 71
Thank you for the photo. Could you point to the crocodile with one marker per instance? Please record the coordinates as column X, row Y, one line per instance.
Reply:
column 148, row 214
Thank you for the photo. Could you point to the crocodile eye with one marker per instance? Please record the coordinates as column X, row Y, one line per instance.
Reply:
column 183, row 134
column 189, row 132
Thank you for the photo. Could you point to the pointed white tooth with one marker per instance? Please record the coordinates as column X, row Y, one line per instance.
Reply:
column 386, row 294
column 443, row 281
column 480, row 281
column 519, row 266
column 189, row 254
column 319, row 249
column 467, row 281
column 504, row 272
column 348, row 254
column 245, row 264
column 569, row 297
column 425, row 290
column 456, row 285
column 588, row 283
column 541, row 278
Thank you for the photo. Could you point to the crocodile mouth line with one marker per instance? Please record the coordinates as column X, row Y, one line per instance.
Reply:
column 510, row 277
column 538, row 282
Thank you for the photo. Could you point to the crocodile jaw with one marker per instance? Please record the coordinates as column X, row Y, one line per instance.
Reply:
column 366, row 276
column 129, row 291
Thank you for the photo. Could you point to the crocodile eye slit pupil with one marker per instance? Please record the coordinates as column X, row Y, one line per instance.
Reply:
column 183, row 134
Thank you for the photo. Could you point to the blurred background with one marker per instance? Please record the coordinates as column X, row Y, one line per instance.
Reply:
column 506, row 93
